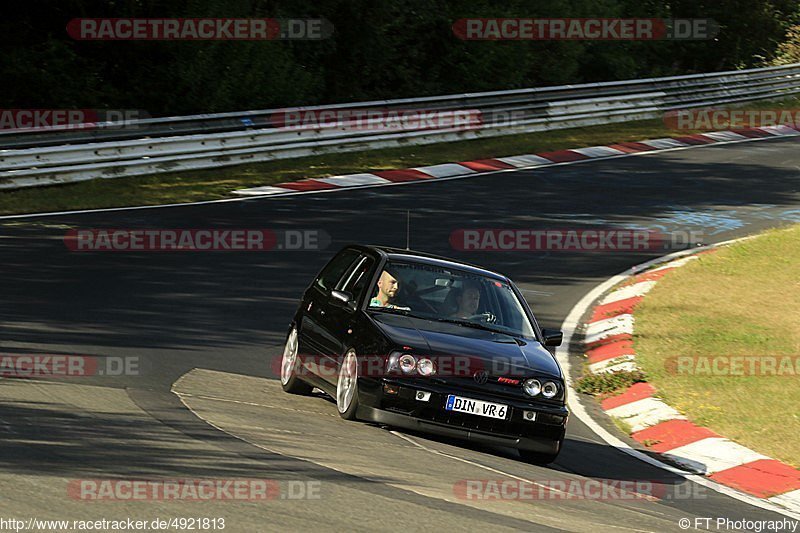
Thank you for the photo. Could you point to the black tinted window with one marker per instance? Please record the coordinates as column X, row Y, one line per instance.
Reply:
column 336, row 268
column 358, row 277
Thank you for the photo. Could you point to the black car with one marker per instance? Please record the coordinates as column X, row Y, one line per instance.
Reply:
column 421, row 342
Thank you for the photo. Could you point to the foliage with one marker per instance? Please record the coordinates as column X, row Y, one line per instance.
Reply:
column 609, row 382
column 789, row 50
column 400, row 48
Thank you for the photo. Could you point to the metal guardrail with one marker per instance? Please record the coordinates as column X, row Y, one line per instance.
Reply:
column 165, row 144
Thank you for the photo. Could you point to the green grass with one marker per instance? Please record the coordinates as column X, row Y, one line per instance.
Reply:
column 623, row 425
column 213, row 184
column 741, row 300
column 608, row 383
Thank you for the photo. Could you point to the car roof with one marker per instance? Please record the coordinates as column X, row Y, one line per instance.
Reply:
column 401, row 254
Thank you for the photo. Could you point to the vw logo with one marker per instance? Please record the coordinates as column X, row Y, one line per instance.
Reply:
column 480, row 377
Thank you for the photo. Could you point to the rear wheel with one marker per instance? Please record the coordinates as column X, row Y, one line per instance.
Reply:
column 289, row 380
column 347, row 387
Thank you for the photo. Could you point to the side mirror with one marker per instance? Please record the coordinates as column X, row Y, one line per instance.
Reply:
column 553, row 337
column 343, row 299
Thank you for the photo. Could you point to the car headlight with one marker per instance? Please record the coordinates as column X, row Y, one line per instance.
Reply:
column 407, row 363
column 549, row 389
column 425, row 367
column 391, row 362
column 532, row 387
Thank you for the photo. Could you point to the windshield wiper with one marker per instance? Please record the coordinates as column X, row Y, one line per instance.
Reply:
column 469, row 324
column 394, row 311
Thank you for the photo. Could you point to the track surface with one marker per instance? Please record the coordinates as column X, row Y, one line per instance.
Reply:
column 225, row 314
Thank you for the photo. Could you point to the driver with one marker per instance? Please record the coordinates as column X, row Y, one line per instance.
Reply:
column 387, row 290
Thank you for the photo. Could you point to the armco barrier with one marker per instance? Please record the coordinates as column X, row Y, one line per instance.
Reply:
column 147, row 146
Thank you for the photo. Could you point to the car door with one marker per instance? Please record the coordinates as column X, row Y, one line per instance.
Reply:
column 316, row 305
column 335, row 325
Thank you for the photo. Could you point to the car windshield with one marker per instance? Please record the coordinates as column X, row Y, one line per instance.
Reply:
column 450, row 295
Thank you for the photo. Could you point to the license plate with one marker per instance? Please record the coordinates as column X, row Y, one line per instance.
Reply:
column 475, row 407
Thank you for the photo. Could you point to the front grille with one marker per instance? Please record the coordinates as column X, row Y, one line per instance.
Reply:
column 500, row 391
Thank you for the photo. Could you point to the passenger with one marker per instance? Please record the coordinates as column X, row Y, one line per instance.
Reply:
column 467, row 300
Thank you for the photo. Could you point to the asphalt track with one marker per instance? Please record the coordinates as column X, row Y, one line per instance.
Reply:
column 206, row 326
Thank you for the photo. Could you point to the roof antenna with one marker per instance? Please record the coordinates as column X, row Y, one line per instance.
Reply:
column 408, row 229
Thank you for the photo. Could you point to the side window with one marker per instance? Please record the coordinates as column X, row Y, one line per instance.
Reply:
column 358, row 277
column 335, row 269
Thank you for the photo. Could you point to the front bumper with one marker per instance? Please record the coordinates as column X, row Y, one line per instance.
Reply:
column 403, row 410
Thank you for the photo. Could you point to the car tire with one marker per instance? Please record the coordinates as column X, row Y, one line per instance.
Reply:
column 538, row 458
column 289, row 361
column 347, row 387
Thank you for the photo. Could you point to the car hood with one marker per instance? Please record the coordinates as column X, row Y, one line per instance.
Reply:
column 495, row 350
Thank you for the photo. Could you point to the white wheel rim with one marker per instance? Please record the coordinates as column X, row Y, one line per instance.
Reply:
column 289, row 359
column 346, row 387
